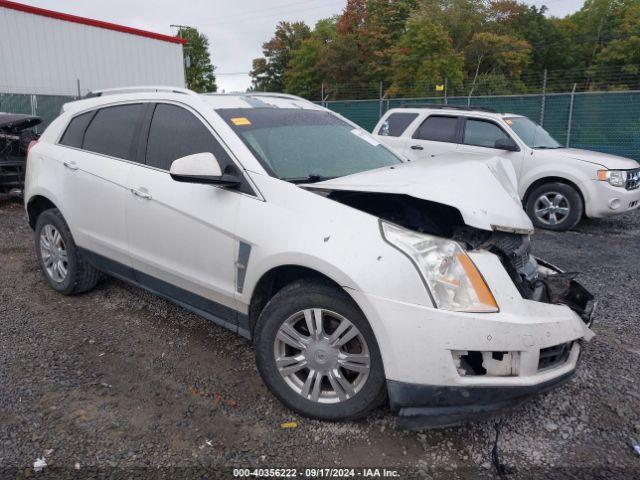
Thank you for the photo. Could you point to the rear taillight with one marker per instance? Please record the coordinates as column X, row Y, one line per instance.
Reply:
column 31, row 144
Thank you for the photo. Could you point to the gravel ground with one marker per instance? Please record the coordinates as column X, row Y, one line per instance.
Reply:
column 118, row 383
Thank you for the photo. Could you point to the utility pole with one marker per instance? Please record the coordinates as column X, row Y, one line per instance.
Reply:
column 186, row 60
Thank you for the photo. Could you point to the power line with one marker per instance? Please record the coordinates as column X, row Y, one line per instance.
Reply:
column 259, row 15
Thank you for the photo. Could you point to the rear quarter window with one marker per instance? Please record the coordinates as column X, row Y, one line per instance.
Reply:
column 74, row 134
column 396, row 123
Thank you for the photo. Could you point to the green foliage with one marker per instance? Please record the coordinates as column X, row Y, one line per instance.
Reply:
column 200, row 71
column 484, row 46
column 268, row 72
column 423, row 57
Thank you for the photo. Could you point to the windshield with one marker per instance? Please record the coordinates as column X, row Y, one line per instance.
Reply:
column 301, row 145
column 531, row 133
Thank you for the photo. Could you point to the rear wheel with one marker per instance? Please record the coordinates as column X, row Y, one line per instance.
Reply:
column 63, row 266
column 317, row 353
column 555, row 206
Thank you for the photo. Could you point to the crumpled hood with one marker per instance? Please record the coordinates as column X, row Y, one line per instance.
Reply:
column 482, row 190
column 611, row 162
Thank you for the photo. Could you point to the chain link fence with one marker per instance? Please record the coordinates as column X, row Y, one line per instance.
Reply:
column 607, row 122
column 45, row 106
column 595, row 109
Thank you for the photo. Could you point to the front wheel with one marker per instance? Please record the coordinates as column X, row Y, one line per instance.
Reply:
column 317, row 353
column 555, row 206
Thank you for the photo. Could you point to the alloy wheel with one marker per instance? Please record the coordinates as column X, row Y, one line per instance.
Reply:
column 322, row 356
column 54, row 253
column 552, row 208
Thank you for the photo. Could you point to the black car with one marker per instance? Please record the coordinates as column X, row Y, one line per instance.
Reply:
column 16, row 133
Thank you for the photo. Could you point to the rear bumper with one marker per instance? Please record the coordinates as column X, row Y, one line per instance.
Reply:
column 428, row 406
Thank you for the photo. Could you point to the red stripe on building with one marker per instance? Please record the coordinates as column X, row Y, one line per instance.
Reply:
column 89, row 21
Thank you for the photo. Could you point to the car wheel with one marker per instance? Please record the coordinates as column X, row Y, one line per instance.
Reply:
column 63, row 266
column 555, row 206
column 317, row 353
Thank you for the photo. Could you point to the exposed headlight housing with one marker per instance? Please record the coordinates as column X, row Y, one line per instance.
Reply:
column 452, row 279
column 617, row 178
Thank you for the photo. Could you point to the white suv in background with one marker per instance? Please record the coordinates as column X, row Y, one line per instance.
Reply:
column 358, row 277
column 558, row 186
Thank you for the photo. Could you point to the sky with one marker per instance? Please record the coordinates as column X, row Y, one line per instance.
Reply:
column 236, row 29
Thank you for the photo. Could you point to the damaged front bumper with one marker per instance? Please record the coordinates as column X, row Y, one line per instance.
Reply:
column 429, row 406
column 445, row 368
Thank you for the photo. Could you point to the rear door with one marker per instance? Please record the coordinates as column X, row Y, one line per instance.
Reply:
column 480, row 136
column 182, row 235
column 435, row 134
column 393, row 127
column 98, row 147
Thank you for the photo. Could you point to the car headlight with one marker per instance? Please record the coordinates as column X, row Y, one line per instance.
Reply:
column 451, row 277
column 617, row 178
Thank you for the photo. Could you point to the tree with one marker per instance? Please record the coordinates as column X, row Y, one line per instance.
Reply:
column 200, row 71
column 623, row 52
column 384, row 24
column 268, row 72
column 549, row 47
column 424, row 56
column 307, row 68
column 460, row 18
column 490, row 53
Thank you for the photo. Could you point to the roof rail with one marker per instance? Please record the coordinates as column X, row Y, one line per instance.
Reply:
column 447, row 107
column 139, row 89
column 262, row 94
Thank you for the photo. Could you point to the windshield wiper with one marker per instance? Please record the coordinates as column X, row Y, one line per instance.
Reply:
column 311, row 178
column 547, row 147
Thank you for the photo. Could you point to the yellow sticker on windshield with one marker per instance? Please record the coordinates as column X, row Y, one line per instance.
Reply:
column 509, row 122
column 239, row 121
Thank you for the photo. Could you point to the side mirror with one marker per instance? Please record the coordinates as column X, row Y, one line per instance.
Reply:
column 203, row 168
column 506, row 144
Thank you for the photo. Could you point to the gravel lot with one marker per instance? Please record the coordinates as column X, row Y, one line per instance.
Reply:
column 117, row 379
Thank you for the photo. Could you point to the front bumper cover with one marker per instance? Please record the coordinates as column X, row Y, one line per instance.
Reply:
column 428, row 406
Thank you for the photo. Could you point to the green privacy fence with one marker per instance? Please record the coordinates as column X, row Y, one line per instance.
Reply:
column 603, row 121
column 45, row 106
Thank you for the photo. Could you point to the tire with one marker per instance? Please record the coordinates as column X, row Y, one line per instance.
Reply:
column 76, row 274
column 332, row 401
column 563, row 203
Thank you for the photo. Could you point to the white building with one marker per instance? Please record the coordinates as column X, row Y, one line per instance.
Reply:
column 50, row 53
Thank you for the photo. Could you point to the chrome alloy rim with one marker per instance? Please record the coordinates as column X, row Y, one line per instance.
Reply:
column 552, row 208
column 54, row 253
column 322, row 356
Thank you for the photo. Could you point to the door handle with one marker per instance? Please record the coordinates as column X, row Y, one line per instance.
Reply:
column 141, row 193
column 70, row 165
column 417, row 147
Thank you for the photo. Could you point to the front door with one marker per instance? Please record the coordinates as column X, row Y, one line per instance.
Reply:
column 181, row 235
column 480, row 137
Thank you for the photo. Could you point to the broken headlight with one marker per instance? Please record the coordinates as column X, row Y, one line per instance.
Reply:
column 452, row 279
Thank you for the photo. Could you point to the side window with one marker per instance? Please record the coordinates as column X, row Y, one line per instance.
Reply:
column 176, row 132
column 396, row 123
column 482, row 134
column 73, row 135
column 112, row 131
column 438, row 128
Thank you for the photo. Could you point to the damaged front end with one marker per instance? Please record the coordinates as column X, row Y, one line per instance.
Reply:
column 535, row 279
